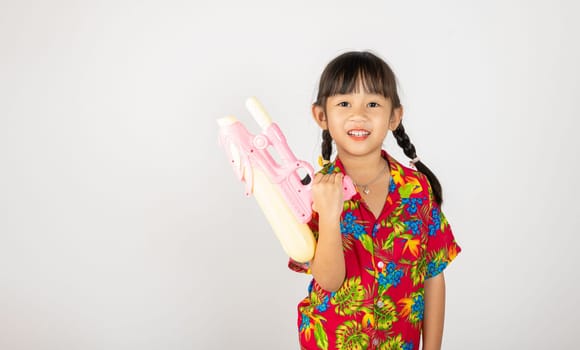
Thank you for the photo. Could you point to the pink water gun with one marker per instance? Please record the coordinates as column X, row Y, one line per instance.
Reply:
column 283, row 194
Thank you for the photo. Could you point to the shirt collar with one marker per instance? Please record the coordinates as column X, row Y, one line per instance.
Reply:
column 394, row 168
column 392, row 164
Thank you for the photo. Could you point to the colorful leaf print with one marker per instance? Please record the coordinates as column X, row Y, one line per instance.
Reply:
column 417, row 188
column 348, row 242
column 319, row 299
column 425, row 212
column 317, row 294
column 397, row 175
column 396, row 224
column 418, row 271
column 394, row 343
column 406, row 190
column 368, row 319
column 386, row 315
column 389, row 243
column 437, row 262
column 349, row 298
column 413, row 246
column 315, row 297
column 413, row 307
column 406, row 303
column 349, row 336
column 321, row 337
column 452, row 252
column 350, row 205
column 305, row 326
column 367, row 242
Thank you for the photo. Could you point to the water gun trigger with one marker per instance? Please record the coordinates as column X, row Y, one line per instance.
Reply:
column 305, row 177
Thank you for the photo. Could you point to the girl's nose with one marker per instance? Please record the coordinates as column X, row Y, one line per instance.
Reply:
column 358, row 113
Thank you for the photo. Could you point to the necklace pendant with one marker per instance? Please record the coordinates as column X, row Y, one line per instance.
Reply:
column 365, row 188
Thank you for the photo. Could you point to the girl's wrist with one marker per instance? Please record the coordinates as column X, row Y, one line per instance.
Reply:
column 329, row 228
column 328, row 219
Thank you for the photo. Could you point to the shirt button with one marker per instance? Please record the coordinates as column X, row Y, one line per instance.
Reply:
column 380, row 303
column 381, row 264
column 375, row 342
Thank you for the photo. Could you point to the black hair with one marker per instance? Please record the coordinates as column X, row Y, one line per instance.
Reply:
column 342, row 76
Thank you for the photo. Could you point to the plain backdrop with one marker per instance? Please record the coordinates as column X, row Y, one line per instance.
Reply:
column 122, row 226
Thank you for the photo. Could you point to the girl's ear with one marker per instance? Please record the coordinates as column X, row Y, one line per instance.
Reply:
column 396, row 117
column 319, row 116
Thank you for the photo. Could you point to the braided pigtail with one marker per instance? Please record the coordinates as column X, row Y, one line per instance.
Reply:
column 326, row 145
column 405, row 143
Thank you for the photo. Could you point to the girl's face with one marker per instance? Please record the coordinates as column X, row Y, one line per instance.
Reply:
column 358, row 122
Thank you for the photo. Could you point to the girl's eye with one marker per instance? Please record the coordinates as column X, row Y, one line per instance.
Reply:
column 343, row 104
column 373, row 104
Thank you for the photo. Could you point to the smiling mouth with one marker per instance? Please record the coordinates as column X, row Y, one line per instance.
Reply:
column 359, row 133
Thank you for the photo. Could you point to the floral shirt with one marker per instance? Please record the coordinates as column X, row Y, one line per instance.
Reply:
column 380, row 304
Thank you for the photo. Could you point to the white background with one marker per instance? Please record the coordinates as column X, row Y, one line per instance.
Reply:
column 123, row 227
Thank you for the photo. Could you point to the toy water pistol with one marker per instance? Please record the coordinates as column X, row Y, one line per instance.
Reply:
column 283, row 194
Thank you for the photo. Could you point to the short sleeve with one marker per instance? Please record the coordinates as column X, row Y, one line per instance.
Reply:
column 441, row 247
column 305, row 267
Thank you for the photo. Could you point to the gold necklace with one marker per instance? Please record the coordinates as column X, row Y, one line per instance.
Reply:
column 365, row 188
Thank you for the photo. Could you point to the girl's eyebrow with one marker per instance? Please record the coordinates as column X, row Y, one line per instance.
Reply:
column 371, row 96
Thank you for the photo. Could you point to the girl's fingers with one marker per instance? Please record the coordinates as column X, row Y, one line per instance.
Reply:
column 317, row 178
column 326, row 193
column 328, row 178
column 334, row 178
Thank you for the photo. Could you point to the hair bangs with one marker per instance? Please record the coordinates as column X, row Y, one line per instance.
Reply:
column 351, row 71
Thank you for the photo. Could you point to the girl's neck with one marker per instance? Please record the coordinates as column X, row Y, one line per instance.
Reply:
column 363, row 169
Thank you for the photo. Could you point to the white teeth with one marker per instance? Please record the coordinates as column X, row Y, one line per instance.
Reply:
column 358, row 133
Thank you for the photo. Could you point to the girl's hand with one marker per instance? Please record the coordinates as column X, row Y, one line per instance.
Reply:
column 327, row 195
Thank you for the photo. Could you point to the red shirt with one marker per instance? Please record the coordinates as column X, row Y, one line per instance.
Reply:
column 380, row 304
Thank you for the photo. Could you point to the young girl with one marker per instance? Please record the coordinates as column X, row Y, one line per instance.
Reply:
column 378, row 267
